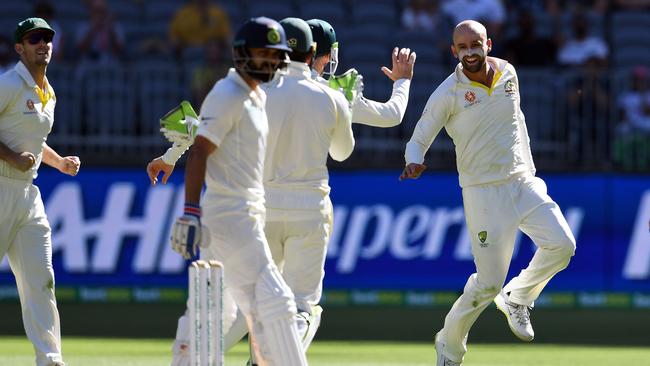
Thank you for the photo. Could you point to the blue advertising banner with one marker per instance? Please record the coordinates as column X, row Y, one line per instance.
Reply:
column 110, row 228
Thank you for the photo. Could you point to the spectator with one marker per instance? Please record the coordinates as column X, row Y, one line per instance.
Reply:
column 197, row 23
column 7, row 60
column 101, row 38
column 45, row 10
column 582, row 47
column 631, row 149
column 527, row 49
column 204, row 76
column 634, row 104
column 421, row 15
column 588, row 111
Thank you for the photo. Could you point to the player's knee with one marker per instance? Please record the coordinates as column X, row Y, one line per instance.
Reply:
column 484, row 287
column 274, row 298
column 42, row 281
column 567, row 245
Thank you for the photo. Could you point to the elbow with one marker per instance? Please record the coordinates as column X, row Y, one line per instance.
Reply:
column 344, row 153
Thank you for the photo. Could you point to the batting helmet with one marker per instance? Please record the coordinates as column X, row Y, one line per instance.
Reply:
column 260, row 32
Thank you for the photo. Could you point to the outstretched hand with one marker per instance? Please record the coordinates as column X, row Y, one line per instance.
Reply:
column 412, row 171
column 156, row 166
column 403, row 63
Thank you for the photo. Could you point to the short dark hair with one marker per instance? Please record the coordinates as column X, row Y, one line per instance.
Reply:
column 301, row 56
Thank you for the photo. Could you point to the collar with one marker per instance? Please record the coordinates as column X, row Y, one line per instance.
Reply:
column 21, row 70
column 256, row 93
column 234, row 76
column 296, row 68
column 500, row 67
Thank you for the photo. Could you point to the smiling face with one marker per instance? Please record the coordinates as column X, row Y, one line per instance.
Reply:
column 471, row 45
column 35, row 49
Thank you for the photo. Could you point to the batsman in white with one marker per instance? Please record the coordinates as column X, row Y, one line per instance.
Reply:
column 479, row 106
column 27, row 112
column 230, row 147
column 298, row 207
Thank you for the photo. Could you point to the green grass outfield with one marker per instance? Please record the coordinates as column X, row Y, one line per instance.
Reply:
column 17, row 351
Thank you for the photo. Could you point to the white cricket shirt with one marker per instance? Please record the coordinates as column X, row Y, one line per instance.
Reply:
column 306, row 121
column 377, row 114
column 388, row 114
column 233, row 118
column 486, row 124
column 25, row 121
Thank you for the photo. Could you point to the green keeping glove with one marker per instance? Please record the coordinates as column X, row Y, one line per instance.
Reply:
column 350, row 83
column 180, row 124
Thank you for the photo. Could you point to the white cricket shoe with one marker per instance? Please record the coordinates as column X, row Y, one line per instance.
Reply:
column 443, row 360
column 518, row 317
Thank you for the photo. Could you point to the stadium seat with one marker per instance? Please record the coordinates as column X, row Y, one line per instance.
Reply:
column 332, row 12
column 374, row 13
column 160, row 87
column 161, row 10
column 16, row 9
column 273, row 10
column 110, row 92
column 70, row 11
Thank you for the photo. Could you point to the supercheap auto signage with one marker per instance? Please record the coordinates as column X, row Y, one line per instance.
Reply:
column 111, row 229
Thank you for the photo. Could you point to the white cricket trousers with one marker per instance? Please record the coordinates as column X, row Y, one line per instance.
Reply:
column 494, row 212
column 255, row 284
column 298, row 246
column 25, row 237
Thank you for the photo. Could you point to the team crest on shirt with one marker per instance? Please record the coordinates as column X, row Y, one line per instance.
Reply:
column 470, row 99
column 509, row 87
column 482, row 237
column 30, row 107
column 470, row 96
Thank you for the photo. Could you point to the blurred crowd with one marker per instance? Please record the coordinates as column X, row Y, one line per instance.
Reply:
column 584, row 36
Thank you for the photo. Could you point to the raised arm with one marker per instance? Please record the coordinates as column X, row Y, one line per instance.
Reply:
column 390, row 113
column 343, row 139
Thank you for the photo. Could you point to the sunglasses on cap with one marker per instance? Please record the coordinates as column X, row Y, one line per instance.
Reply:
column 37, row 37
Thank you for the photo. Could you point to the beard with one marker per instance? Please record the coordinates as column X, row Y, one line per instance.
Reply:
column 475, row 67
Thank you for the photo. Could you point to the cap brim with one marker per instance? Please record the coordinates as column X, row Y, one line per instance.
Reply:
column 41, row 28
column 280, row 47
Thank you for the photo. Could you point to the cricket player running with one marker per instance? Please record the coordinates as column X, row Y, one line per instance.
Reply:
column 230, row 147
column 364, row 111
column 479, row 106
column 27, row 112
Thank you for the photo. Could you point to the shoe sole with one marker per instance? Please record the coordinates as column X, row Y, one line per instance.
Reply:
column 501, row 308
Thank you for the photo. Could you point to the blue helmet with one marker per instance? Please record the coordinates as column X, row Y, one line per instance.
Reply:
column 260, row 32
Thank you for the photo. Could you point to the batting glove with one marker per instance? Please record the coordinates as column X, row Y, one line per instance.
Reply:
column 186, row 232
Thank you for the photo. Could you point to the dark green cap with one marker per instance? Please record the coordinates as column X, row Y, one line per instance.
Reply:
column 299, row 37
column 323, row 34
column 29, row 25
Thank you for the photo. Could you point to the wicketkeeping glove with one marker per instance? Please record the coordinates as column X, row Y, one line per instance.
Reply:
column 188, row 234
column 350, row 83
column 180, row 124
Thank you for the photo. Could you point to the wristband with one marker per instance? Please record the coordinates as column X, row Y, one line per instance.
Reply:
column 171, row 156
column 192, row 210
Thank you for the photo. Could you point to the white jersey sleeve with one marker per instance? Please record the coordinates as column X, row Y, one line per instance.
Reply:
column 434, row 117
column 218, row 115
column 342, row 139
column 388, row 114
